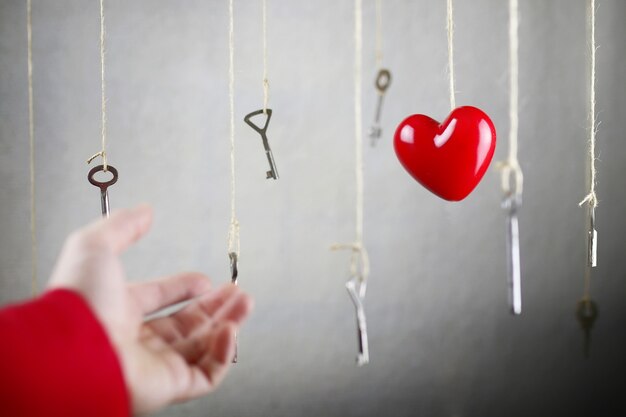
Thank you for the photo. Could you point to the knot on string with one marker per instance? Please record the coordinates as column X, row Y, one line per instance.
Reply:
column 511, row 173
column 102, row 154
column 590, row 198
column 359, row 263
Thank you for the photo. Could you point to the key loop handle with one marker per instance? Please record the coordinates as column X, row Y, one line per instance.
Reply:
column 258, row 129
column 511, row 203
column 359, row 265
column 363, row 356
column 356, row 288
column 360, row 273
column 106, row 184
column 383, row 80
column 511, row 177
column 511, row 185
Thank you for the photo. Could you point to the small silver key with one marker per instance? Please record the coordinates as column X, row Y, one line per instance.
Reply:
column 511, row 204
column 273, row 172
column 363, row 357
column 586, row 314
column 383, row 80
column 104, row 195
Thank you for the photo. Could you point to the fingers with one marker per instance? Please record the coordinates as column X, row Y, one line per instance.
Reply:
column 209, row 372
column 233, row 312
column 216, row 361
column 121, row 230
column 155, row 295
column 182, row 323
column 225, row 303
column 197, row 358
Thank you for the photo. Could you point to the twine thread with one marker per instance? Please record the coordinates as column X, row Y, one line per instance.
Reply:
column 31, row 142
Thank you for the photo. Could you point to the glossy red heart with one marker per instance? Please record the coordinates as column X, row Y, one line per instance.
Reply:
column 450, row 158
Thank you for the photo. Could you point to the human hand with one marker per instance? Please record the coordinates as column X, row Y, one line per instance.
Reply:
column 166, row 360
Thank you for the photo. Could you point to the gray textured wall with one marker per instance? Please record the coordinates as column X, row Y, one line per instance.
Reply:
column 442, row 341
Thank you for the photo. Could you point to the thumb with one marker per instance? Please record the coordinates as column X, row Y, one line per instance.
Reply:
column 122, row 229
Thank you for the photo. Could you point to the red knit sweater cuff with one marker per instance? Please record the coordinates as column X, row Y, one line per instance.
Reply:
column 57, row 360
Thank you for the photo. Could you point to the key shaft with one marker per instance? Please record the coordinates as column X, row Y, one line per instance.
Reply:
column 375, row 131
column 586, row 314
column 273, row 172
column 104, row 197
column 511, row 204
column 513, row 264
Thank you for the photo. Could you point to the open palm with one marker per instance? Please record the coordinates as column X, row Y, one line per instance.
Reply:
column 168, row 359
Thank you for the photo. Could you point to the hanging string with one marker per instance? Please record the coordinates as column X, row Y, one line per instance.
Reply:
column 31, row 135
column 591, row 198
column 511, row 165
column 266, row 83
column 359, row 265
column 233, row 232
column 102, row 153
column 450, row 28
column 379, row 34
column 358, row 119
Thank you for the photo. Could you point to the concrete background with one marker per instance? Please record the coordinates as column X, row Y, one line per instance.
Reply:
column 442, row 340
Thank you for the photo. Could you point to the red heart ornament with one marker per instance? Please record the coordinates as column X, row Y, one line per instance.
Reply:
column 450, row 158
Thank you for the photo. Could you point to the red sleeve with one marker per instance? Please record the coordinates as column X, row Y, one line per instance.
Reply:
column 57, row 361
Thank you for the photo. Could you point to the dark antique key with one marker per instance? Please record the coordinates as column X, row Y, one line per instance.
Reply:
column 103, row 185
column 383, row 80
column 273, row 172
column 586, row 314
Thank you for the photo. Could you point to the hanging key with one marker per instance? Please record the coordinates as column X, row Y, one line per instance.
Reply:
column 104, row 195
column 511, row 203
column 383, row 80
column 363, row 357
column 586, row 314
column 272, row 173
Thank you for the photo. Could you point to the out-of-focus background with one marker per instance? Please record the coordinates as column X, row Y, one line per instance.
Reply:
column 441, row 338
